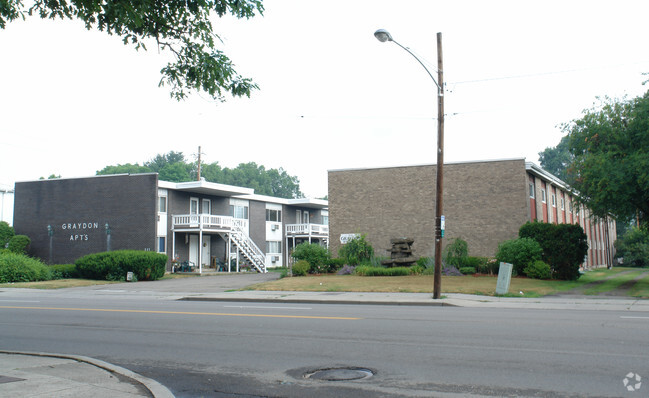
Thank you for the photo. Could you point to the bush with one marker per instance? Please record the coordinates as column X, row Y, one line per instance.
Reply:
column 451, row 271
column 633, row 247
column 417, row 269
column 64, row 271
column 467, row 270
column 113, row 266
column 492, row 266
column 426, row 262
column 16, row 267
column 346, row 270
column 456, row 252
column 367, row 270
column 564, row 246
column 301, row 268
column 6, row 233
column 335, row 264
column 357, row 251
column 519, row 252
column 317, row 256
column 538, row 270
column 19, row 244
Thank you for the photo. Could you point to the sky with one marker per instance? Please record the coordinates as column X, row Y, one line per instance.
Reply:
column 331, row 96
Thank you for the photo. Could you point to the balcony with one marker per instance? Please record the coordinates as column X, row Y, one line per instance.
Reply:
column 307, row 230
column 206, row 222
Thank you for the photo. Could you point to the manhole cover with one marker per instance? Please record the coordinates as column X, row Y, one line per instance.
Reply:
column 340, row 374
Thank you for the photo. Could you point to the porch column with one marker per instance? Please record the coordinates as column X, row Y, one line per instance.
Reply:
column 173, row 249
column 200, row 251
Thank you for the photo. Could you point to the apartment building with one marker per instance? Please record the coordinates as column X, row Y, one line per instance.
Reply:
column 484, row 202
column 197, row 223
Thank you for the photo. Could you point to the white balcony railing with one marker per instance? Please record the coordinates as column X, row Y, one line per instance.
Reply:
column 207, row 221
column 307, row 229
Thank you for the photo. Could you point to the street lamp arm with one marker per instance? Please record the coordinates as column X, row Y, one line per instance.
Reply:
column 440, row 91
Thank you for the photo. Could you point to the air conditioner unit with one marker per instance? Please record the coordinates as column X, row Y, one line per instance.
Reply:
column 274, row 227
column 275, row 259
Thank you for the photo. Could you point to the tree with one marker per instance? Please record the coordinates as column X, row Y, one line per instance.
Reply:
column 124, row 169
column 6, row 233
column 633, row 248
column 184, row 28
column 556, row 160
column 610, row 165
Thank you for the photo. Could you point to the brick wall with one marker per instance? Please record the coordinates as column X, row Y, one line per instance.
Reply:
column 484, row 204
column 78, row 209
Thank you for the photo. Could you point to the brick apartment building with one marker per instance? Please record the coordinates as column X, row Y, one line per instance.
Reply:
column 70, row 217
column 485, row 203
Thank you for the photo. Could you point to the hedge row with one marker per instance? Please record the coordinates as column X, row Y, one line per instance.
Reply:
column 20, row 268
column 114, row 265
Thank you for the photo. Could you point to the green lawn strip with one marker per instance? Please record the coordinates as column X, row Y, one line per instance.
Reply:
column 613, row 283
column 641, row 288
column 55, row 284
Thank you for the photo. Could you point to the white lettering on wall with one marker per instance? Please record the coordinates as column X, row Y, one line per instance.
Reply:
column 80, row 225
column 77, row 238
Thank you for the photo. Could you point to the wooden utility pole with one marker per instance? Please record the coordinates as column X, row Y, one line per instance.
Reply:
column 198, row 176
column 437, row 281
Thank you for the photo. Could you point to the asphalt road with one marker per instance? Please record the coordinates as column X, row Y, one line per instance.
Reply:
column 218, row 349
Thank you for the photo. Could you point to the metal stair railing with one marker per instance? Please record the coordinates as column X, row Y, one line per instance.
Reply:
column 249, row 249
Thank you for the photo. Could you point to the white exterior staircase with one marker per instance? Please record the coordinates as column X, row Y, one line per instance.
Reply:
column 249, row 249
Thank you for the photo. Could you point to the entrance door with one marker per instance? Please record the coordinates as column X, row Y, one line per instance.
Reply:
column 205, row 253
column 193, row 249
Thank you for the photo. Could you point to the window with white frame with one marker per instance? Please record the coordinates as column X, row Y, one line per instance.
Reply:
column 162, row 201
column 554, row 200
column 239, row 209
column 273, row 247
column 162, row 244
column 531, row 190
column 325, row 217
column 543, row 198
column 274, row 215
column 563, row 204
column 206, row 207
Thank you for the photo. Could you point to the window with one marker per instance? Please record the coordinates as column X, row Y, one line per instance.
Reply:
column 162, row 247
column 273, row 215
column 570, row 207
column 531, row 190
column 563, row 204
column 543, row 198
column 273, row 246
column 325, row 219
column 193, row 206
column 162, row 204
column 238, row 211
column 554, row 200
column 207, row 206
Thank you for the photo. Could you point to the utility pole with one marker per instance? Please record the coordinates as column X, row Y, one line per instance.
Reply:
column 437, row 280
column 198, row 177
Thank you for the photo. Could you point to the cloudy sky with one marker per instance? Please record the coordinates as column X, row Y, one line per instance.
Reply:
column 332, row 96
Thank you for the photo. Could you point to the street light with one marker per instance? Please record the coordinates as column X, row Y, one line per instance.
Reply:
column 383, row 35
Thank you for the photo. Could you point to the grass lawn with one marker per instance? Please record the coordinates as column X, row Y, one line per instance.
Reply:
column 55, row 284
column 483, row 285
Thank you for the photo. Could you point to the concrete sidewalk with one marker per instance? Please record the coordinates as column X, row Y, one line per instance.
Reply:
column 53, row 375
column 593, row 303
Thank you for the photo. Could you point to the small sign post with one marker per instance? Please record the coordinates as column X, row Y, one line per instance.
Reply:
column 504, row 278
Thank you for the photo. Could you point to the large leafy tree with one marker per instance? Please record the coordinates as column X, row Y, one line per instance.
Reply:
column 556, row 160
column 182, row 27
column 610, row 168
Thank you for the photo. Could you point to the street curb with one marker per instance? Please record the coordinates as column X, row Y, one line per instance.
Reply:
column 311, row 301
column 156, row 389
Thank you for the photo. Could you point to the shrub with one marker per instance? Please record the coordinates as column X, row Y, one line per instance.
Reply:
column 451, row 271
column 16, row 267
column 317, row 256
column 114, row 265
column 492, row 266
column 456, row 252
column 19, row 244
column 335, row 264
column 538, row 270
column 564, row 246
column 301, row 268
column 633, row 247
column 417, row 269
column 368, row 270
column 519, row 252
column 6, row 233
column 357, row 251
column 467, row 270
column 426, row 262
column 64, row 271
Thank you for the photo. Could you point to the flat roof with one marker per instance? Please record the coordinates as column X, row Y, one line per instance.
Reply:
column 423, row 164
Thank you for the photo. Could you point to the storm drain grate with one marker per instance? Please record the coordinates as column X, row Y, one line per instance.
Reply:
column 340, row 374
